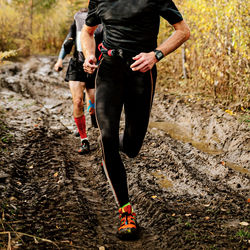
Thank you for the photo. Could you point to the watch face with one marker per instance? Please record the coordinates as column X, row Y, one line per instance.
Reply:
column 158, row 54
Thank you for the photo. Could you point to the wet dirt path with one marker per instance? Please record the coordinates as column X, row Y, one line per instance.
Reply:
column 189, row 185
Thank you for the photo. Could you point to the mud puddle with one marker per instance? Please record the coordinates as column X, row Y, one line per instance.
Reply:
column 189, row 185
column 179, row 133
column 237, row 168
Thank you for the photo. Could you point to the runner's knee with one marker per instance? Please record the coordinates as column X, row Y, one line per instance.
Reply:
column 78, row 103
column 132, row 147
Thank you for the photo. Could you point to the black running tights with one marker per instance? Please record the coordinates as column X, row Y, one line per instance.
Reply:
column 117, row 86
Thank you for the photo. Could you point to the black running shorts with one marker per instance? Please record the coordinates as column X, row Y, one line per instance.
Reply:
column 75, row 72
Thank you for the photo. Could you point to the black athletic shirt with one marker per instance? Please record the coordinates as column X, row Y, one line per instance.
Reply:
column 131, row 25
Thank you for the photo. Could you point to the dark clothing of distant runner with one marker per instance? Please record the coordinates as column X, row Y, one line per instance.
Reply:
column 75, row 70
column 130, row 27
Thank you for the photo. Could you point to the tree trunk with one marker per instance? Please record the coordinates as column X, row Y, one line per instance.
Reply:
column 184, row 68
column 31, row 16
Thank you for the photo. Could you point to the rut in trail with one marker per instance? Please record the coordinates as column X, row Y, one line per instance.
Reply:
column 189, row 185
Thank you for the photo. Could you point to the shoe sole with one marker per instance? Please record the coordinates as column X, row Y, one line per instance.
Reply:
column 84, row 152
column 134, row 235
column 128, row 237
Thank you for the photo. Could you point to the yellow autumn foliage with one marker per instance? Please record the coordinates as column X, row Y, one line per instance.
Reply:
column 217, row 54
column 7, row 54
column 36, row 32
column 9, row 26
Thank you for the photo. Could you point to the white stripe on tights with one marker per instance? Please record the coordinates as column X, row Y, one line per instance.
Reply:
column 112, row 188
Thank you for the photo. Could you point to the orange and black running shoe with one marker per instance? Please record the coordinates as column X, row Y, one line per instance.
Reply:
column 128, row 229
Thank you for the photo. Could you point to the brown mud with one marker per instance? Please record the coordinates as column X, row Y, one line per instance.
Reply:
column 189, row 185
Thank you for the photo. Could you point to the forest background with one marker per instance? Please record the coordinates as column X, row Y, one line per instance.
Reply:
column 212, row 65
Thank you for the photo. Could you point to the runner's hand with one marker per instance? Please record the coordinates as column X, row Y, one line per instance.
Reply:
column 89, row 65
column 59, row 65
column 144, row 62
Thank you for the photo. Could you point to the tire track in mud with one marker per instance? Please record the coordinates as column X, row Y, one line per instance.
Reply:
column 45, row 169
column 208, row 183
column 97, row 214
column 175, row 165
column 41, row 188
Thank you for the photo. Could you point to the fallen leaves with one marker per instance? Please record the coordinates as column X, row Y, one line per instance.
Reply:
column 230, row 112
column 244, row 223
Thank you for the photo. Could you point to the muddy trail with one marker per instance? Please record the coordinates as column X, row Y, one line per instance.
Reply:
column 189, row 185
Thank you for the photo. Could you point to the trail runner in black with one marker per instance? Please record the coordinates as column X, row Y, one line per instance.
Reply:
column 126, row 78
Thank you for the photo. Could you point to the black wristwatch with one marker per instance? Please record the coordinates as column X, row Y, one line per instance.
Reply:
column 158, row 54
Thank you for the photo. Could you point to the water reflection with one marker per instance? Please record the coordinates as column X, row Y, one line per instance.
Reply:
column 179, row 133
column 162, row 180
column 237, row 168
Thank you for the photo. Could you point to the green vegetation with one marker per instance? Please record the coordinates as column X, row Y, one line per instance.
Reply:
column 245, row 117
column 243, row 235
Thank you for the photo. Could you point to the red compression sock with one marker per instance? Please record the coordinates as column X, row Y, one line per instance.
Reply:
column 81, row 125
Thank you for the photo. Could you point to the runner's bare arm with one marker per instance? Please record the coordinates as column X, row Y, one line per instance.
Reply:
column 145, row 61
column 88, row 47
